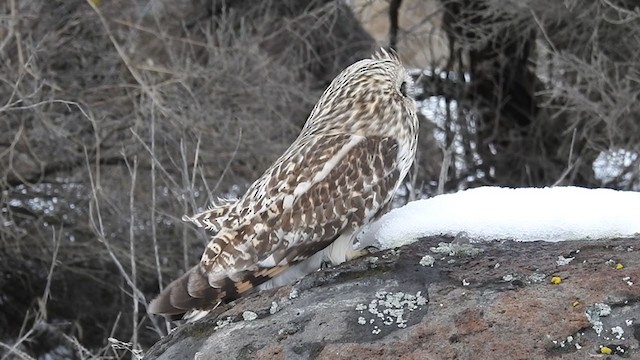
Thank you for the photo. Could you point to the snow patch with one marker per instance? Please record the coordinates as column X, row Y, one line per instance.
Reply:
column 523, row 214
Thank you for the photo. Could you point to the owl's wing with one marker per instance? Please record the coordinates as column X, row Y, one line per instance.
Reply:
column 324, row 186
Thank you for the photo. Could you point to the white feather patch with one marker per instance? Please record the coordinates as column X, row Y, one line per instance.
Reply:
column 294, row 273
column 331, row 164
column 287, row 203
column 195, row 315
column 341, row 249
column 268, row 262
column 301, row 188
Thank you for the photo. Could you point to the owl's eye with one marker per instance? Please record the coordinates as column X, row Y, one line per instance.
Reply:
column 403, row 88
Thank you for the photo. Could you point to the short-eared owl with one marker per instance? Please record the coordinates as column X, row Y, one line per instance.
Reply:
column 339, row 174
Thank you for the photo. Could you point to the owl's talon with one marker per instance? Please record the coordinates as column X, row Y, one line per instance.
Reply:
column 371, row 249
column 362, row 252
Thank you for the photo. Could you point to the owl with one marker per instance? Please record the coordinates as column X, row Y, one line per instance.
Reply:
column 341, row 173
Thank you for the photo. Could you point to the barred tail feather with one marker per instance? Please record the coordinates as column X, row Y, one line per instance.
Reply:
column 190, row 291
column 193, row 291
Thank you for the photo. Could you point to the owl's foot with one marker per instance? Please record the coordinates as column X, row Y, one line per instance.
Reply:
column 356, row 253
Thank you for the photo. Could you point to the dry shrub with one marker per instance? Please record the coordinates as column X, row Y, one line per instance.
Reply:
column 537, row 92
column 590, row 62
column 118, row 119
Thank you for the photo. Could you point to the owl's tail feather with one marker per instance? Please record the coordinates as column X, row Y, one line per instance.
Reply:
column 190, row 291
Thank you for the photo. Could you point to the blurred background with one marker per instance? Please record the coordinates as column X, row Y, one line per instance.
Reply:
column 119, row 116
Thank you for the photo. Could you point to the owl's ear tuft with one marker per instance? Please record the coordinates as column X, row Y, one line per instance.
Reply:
column 386, row 54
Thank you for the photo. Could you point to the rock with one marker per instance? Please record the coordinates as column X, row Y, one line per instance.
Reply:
column 498, row 303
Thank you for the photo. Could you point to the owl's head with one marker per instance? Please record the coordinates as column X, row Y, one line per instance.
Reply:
column 388, row 63
column 372, row 93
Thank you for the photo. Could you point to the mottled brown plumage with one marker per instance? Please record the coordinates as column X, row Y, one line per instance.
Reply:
column 340, row 173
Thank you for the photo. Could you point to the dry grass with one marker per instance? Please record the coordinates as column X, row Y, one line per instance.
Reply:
column 549, row 88
column 122, row 117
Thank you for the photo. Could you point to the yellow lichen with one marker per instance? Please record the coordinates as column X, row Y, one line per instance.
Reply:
column 619, row 266
column 556, row 280
column 575, row 303
column 605, row 350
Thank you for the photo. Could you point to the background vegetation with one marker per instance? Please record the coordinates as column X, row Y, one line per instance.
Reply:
column 117, row 117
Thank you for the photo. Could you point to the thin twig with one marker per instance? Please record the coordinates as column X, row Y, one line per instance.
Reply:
column 154, row 159
column 99, row 231
column 154, row 234
column 447, row 154
column 12, row 350
column 54, row 259
column 187, row 194
column 228, row 164
column 133, row 172
column 570, row 163
column 413, row 179
column 127, row 61
column 543, row 31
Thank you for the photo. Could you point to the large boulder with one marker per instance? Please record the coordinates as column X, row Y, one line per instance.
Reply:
column 493, row 300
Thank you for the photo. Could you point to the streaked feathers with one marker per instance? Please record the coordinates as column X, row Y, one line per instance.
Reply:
column 339, row 174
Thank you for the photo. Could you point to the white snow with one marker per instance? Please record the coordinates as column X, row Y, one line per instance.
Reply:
column 611, row 164
column 523, row 214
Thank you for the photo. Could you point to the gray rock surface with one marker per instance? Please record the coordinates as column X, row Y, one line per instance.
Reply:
column 491, row 300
